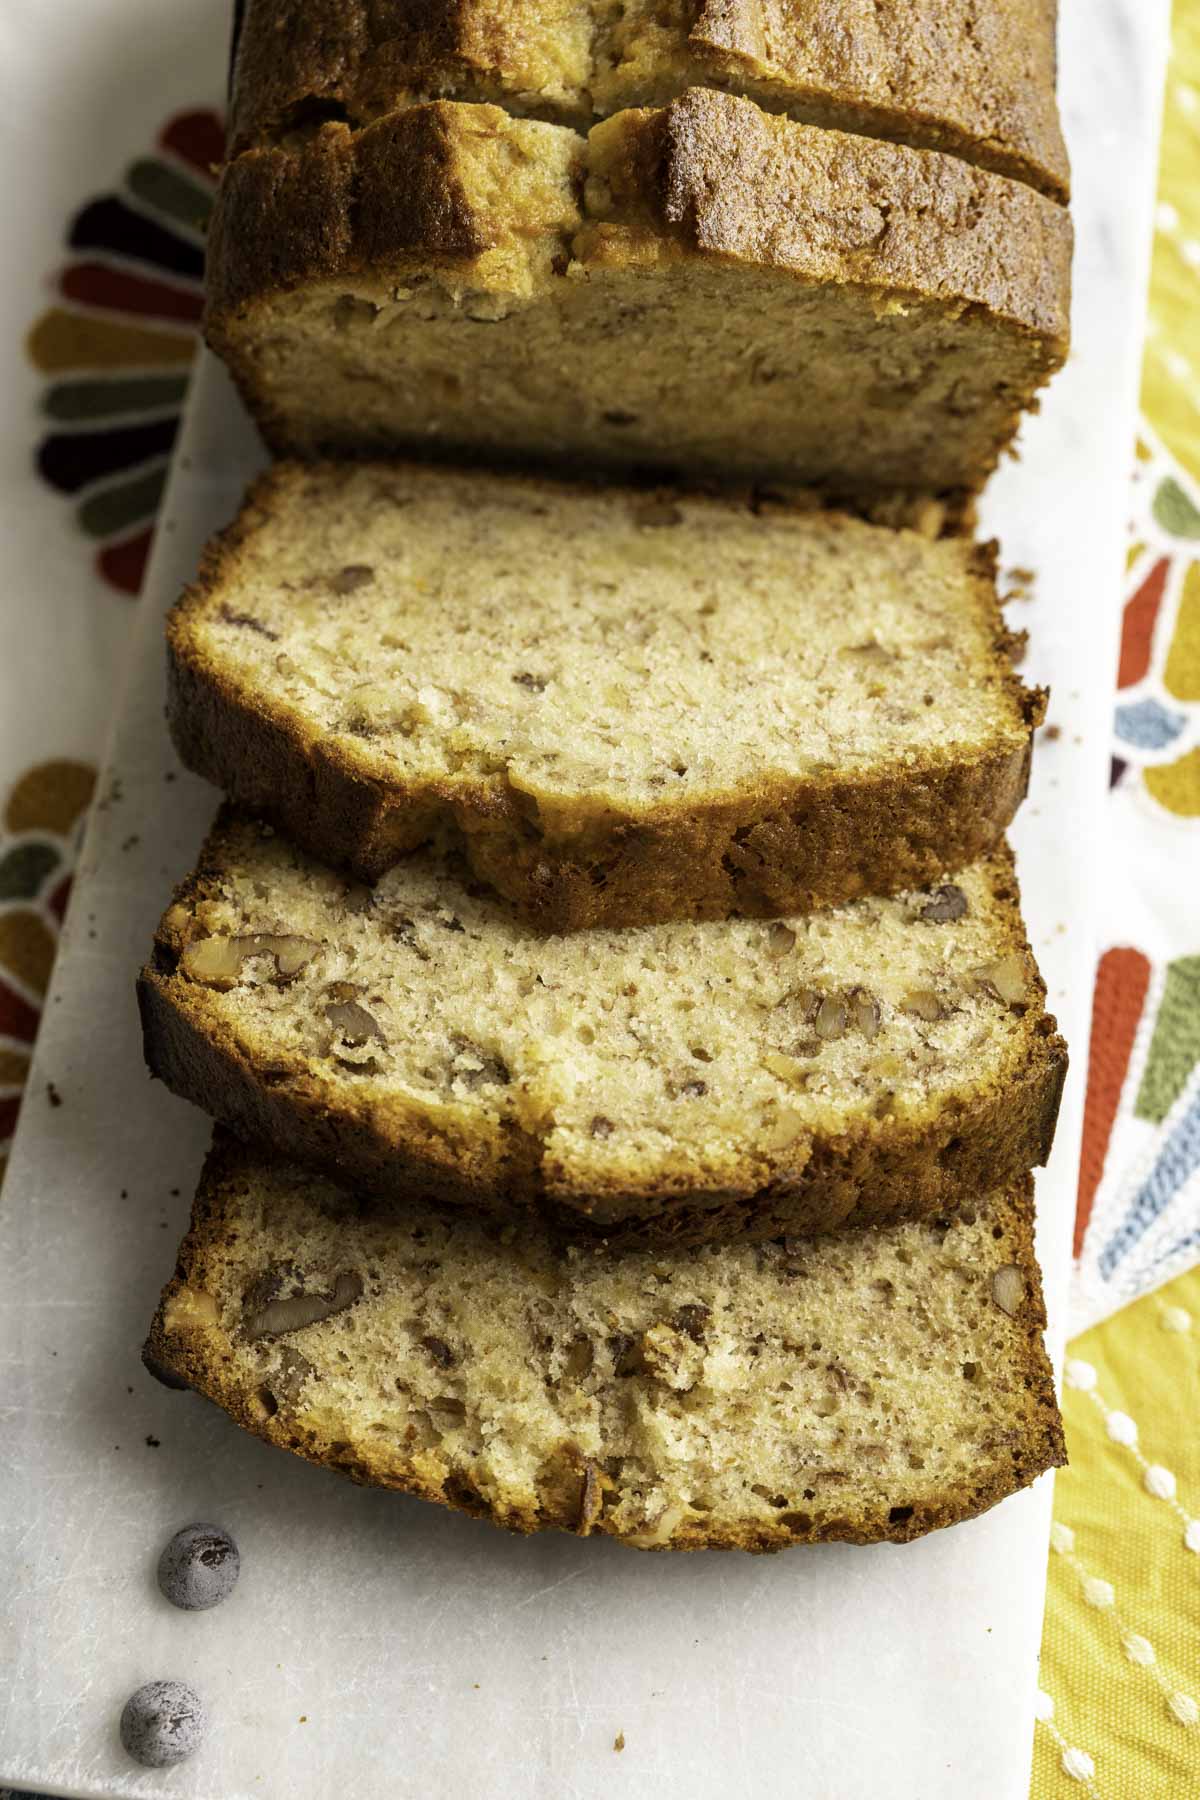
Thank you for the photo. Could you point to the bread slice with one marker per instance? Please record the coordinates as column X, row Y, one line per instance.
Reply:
column 676, row 1081
column 626, row 706
column 871, row 1385
column 701, row 287
column 973, row 77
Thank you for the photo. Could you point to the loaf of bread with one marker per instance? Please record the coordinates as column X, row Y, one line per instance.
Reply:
column 871, row 1385
column 702, row 287
column 974, row 77
column 682, row 1081
column 625, row 706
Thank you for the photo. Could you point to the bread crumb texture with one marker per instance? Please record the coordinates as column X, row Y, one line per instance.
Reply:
column 631, row 705
column 871, row 1385
column 874, row 1056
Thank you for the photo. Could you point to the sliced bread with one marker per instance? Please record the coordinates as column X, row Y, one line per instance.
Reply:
column 701, row 287
column 626, row 706
column 974, row 77
column 888, row 1058
column 870, row 1385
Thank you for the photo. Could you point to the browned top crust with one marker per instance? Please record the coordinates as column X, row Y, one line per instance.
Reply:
column 725, row 179
column 976, row 79
column 520, row 206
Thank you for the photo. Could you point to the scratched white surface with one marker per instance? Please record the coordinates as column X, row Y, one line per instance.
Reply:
column 378, row 1647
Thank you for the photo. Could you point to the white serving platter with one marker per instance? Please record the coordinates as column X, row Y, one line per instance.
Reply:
column 379, row 1647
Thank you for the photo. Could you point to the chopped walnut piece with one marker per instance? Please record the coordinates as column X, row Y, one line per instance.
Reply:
column 1004, row 978
column 352, row 1023
column 293, row 1312
column 1008, row 1289
column 351, row 578
column 476, row 1067
column 218, row 961
column 944, row 905
column 923, row 1003
column 830, row 1022
column 865, row 1011
column 672, row 1357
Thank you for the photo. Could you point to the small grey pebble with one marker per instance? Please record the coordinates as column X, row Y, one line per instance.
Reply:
column 199, row 1567
column 162, row 1723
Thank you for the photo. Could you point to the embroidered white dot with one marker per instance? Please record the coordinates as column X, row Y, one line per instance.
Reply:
column 1138, row 1649
column 1159, row 1481
column 1098, row 1593
column 1121, row 1428
column 1184, row 1708
column 1077, row 1764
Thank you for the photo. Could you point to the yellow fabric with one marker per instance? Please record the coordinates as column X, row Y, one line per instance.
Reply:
column 1124, row 1674
column 1119, row 1710
column 1171, row 367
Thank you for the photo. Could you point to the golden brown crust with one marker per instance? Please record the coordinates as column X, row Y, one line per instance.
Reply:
column 873, row 1172
column 186, row 1349
column 776, row 846
column 348, row 201
column 721, row 178
column 974, row 80
column 713, row 176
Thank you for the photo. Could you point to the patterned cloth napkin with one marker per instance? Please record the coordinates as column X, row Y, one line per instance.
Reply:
column 1118, row 1711
column 99, row 307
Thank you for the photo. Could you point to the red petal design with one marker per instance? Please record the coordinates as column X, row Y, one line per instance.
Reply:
column 92, row 284
column 58, row 899
column 198, row 137
column 1138, row 628
column 17, row 1018
column 1121, row 982
column 124, row 565
column 8, row 1116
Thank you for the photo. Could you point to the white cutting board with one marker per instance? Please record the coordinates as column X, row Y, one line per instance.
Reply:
column 379, row 1647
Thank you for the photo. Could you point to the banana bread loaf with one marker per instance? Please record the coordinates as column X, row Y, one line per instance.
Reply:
column 674, row 1081
column 973, row 78
column 626, row 706
column 702, row 287
column 870, row 1385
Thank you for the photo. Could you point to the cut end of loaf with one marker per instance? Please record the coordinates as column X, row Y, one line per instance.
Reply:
column 448, row 278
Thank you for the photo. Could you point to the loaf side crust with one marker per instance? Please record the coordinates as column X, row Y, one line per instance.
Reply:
column 776, row 846
column 975, row 81
column 187, row 1347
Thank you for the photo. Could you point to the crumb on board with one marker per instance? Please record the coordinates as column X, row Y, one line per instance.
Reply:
column 53, row 1095
column 153, row 1443
column 1020, row 585
column 619, row 1741
column 1052, row 733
